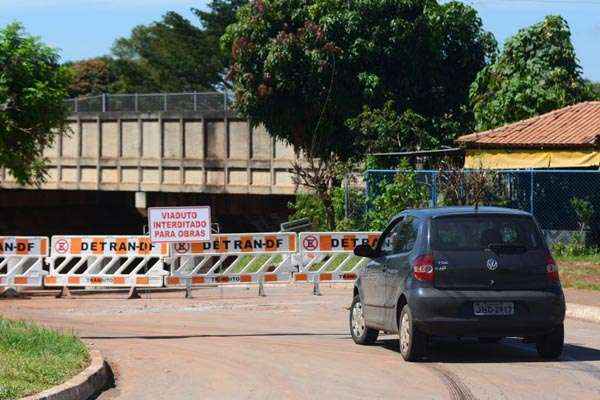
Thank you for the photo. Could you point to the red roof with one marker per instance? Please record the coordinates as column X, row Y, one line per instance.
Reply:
column 574, row 126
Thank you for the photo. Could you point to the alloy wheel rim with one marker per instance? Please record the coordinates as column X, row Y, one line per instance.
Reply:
column 404, row 334
column 358, row 320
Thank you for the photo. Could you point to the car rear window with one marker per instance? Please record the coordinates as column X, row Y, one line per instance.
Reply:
column 478, row 232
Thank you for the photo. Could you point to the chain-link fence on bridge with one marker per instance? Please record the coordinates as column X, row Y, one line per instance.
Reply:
column 151, row 102
column 547, row 194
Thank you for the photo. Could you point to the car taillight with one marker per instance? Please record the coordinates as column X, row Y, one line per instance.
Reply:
column 423, row 268
column 551, row 269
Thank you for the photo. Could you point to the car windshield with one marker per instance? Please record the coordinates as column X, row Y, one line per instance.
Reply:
column 479, row 232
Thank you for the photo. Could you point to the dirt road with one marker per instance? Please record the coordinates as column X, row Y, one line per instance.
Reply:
column 231, row 344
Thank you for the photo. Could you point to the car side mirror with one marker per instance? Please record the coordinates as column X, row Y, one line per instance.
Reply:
column 364, row 250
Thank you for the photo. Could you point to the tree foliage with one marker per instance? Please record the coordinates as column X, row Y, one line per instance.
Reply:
column 393, row 197
column 584, row 210
column 595, row 89
column 307, row 205
column 173, row 53
column 170, row 55
column 91, row 76
column 332, row 76
column 373, row 212
column 109, row 75
column 33, row 87
column 220, row 14
column 477, row 187
column 536, row 72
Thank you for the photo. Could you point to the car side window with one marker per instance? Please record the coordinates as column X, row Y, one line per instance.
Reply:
column 401, row 238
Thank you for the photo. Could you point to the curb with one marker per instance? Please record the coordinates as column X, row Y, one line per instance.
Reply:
column 82, row 386
column 580, row 311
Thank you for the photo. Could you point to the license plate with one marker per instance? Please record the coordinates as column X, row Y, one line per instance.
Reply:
column 494, row 308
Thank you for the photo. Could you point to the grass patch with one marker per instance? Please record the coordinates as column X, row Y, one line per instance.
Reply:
column 257, row 264
column 589, row 258
column 33, row 358
column 580, row 272
column 338, row 259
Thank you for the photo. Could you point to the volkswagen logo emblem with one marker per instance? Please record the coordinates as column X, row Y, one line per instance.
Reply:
column 492, row 264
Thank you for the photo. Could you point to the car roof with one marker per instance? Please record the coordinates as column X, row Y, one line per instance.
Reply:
column 458, row 210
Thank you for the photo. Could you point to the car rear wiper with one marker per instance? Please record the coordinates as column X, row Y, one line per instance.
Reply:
column 507, row 248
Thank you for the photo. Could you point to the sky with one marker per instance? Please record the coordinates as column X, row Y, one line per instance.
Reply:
column 88, row 28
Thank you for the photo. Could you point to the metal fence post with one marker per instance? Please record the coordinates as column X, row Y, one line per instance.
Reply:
column 76, row 103
column 135, row 102
column 531, row 192
column 195, row 95
column 165, row 102
column 103, row 102
column 434, row 189
column 188, row 288
column 346, row 196
column 367, row 193
column 261, row 287
column 316, row 286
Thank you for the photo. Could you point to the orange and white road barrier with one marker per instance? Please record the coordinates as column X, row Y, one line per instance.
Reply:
column 328, row 256
column 22, row 260
column 234, row 258
column 106, row 261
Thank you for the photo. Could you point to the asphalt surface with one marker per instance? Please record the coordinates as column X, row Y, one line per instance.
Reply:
column 231, row 344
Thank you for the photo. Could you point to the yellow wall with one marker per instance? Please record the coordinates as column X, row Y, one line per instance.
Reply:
column 513, row 159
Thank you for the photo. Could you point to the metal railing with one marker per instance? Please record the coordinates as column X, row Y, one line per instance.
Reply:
column 205, row 102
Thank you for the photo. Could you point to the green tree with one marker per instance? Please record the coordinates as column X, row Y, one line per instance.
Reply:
column 412, row 110
column 131, row 77
column 220, row 14
column 91, row 76
column 393, row 197
column 365, row 212
column 108, row 75
column 33, row 87
column 174, row 53
column 536, row 72
column 478, row 187
column 333, row 76
column 308, row 205
column 338, row 78
column 584, row 211
column 595, row 89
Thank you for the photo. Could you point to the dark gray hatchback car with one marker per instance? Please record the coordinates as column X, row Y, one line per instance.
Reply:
column 459, row 271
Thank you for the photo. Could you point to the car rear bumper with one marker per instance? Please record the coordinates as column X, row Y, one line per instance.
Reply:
column 448, row 312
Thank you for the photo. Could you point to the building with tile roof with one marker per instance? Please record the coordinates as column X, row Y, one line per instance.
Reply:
column 565, row 138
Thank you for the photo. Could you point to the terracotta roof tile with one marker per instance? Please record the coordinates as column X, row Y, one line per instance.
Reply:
column 574, row 126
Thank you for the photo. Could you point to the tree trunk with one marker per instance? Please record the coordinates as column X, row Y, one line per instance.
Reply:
column 329, row 211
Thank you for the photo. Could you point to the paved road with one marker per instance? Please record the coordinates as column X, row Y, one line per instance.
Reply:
column 231, row 344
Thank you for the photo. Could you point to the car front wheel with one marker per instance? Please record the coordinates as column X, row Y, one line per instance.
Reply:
column 412, row 341
column 551, row 346
column 361, row 333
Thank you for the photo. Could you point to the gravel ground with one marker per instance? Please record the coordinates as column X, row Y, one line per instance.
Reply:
column 584, row 297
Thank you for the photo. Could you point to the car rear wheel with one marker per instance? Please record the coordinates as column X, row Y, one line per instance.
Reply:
column 412, row 341
column 551, row 346
column 361, row 333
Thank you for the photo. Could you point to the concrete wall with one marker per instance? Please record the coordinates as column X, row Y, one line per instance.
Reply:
column 166, row 152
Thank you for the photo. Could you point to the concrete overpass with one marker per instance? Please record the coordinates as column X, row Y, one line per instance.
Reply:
column 120, row 160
